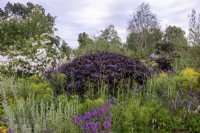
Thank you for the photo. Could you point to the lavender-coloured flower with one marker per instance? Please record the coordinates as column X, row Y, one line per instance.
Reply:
column 164, row 70
column 109, row 117
column 190, row 104
column 98, row 125
column 135, row 91
column 107, row 125
column 85, row 128
column 78, row 120
column 101, row 112
column 87, row 116
column 47, row 128
column 106, row 109
column 5, row 120
column 111, row 99
column 140, row 87
column 92, row 126
column 95, row 113
column 95, row 121
column 10, row 130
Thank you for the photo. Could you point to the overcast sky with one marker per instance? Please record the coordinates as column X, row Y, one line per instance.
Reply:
column 90, row 16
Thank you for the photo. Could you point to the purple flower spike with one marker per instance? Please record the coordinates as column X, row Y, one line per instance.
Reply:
column 97, row 121
column 109, row 117
column 92, row 126
column 10, row 130
column 87, row 116
column 5, row 120
column 111, row 99
column 190, row 104
column 98, row 125
column 107, row 125
column 164, row 70
column 85, row 128
column 94, row 113
column 78, row 120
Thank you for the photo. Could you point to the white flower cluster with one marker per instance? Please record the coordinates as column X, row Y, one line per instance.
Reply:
column 41, row 53
column 4, row 62
column 44, row 42
column 33, row 63
column 41, row 57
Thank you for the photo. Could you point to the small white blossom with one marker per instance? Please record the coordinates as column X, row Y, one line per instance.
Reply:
column 154, row 56
column 46, row 41
column 34, row 44
column 41, row 53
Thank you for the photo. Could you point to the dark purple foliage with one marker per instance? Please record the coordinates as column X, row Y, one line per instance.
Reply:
column 101, row 66
column 164, row 64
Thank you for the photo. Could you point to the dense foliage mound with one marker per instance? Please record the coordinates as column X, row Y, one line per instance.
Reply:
column 164, row 63
column 111, row 68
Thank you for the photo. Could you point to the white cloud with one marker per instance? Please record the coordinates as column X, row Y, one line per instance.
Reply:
column 94, row 13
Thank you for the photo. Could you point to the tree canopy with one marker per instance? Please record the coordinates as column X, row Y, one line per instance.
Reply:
column 83, row 39
column 194, row 28
column 142, row 25
column 20, row 23
column 27, row 36
column 175, row 35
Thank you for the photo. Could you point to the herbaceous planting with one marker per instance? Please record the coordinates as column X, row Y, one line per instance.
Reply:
column 148, row 84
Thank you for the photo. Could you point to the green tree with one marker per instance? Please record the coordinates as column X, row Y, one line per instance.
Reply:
column 107, row 40
column 194, row 28
column 154, row 36
column 17, row 10
column 141, row 26
column 83, row 39
column 109, row 34
column 27, row 36
column 176, row 36
column 194, row 35
column 20, row 23
column 65, row 49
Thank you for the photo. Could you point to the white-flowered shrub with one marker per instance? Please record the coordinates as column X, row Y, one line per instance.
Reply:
column 41, row 55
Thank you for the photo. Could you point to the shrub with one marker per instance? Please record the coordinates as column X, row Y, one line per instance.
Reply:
column 164, row 63
column 3, row 130
column 191, row 78
column 58, row 82
column 35, row 87
column 90, row 70
column 165, row 48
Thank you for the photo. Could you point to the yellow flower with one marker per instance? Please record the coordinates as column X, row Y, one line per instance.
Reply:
column 81, row 106
column 190, row 76
column 3, row 130
column 163, row 75
column 99, row 101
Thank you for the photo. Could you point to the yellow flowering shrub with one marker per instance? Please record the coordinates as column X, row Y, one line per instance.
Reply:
column 3, row 130
column 190, row 78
